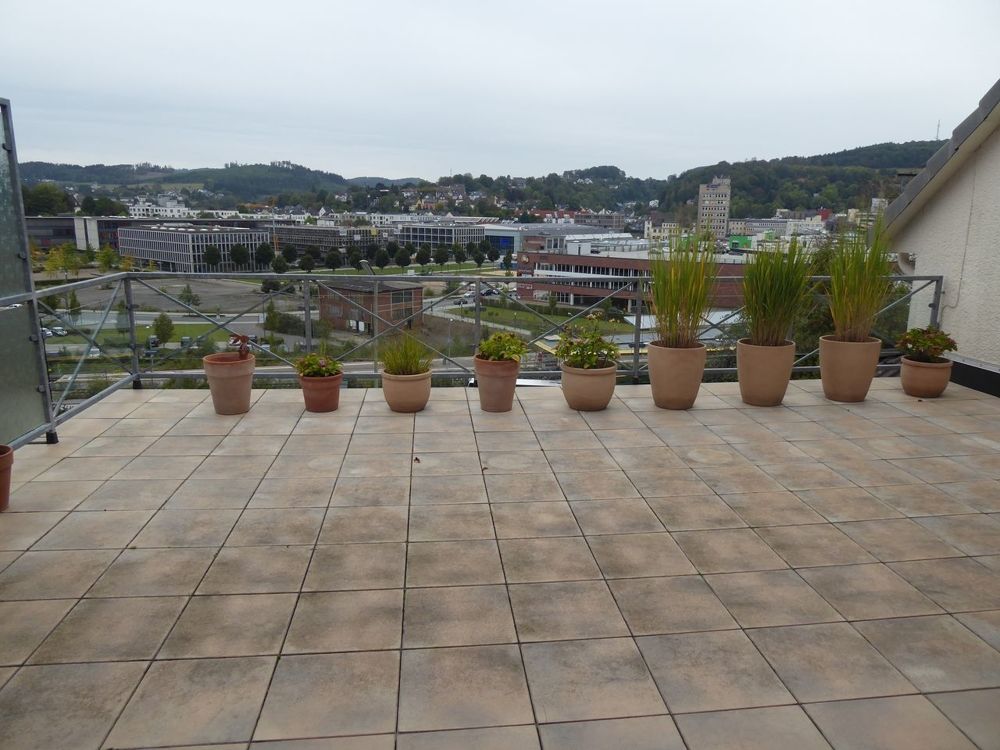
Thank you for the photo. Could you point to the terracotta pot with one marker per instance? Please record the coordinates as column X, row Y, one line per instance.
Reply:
column 847, row 367
column 496, row 380
column 230, row 379
column 6, row 464
column 764, row 372
column 675, row 375
column 321, row 393
column 588, row 390
column 924, row 379
column 406, row 393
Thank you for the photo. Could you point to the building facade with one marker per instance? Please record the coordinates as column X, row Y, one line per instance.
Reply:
column 713, row 207
column 181, row 247
column 437, row 234
column 328, row 237
column 347, row 303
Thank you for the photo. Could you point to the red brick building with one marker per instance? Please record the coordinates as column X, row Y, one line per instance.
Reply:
column 347, row 303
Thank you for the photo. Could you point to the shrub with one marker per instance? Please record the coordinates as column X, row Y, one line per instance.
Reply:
column 405, row 355
column 317, row 365
column 581, row 345
column 926, row 344
column 776, row 288
column 502, row 345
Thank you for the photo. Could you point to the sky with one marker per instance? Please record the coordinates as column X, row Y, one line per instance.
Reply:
column 425, row 89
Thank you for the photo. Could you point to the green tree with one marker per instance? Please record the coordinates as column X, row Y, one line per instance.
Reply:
column 121, row 317
column 73, row 306
column 279, row 264
column 289, row 253
column 239, row 255
column 471, row 247
column 63, row 259
column 460, row 256
column 272, row 319
column 381, row 257
column 424, row 255
column 441, row 255
column 263, row 255
column 492, row 252
column 270, row 285
column 46, row 199
column 188, row 297
column 402, row 258
column 212, row 256
column 163, row 327
column 314, row 252
column 307, row 263
column 107, row 259
column 478, row 257
column 334, row 259
column 551, row 304
column 370, row 251
column 508, row 262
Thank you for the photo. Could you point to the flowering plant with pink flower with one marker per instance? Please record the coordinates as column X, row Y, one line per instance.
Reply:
column 317, row 365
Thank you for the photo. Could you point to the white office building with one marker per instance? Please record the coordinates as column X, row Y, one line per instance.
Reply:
column 181, row 247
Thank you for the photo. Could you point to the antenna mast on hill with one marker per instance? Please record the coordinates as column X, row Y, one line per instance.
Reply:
column 937, row 135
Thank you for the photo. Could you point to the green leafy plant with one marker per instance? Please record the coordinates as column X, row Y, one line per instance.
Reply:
column 776, row 289
column 502, row 345
column 405, row 355
column 581, row 345
column 317, row 365
column 859, row 283
column 926, row 344
column 681, row 289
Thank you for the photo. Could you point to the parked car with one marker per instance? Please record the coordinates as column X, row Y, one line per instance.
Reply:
column 47, row 333
column 59, row 331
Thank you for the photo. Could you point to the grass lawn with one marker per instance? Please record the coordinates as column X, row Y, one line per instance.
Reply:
column 111, row 334
column 521, row 318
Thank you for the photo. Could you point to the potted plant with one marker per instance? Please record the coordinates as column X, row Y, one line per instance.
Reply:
column 859, row 286
column 680, row 295
column 924, row 372
column 589, row 365
column 497, row 362
column 776, row 287
column 320, row 377
column 230, row 377
column 6, row 465
column 406, row 374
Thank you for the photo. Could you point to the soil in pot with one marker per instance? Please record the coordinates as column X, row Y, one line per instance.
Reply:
column 229, row 379
column 406, row 393
column 924, row 379
column 6, row 465
column 847, row 367
column 588, row 390
column 496, row 380
column 675, row 375
column 764, row 372
column 321, row 394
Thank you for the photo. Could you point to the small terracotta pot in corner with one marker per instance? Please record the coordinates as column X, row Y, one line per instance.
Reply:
column 675, row 374
column 321, row 394
column 6, row 464
column 496, row 380
column 230, row 380
column 848, row 367
column 764, row 372
column 924, row 379
column 406, row 393
column 588, row 390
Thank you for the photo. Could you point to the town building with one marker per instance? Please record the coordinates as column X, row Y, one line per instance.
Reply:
column 946, row 222
column 181, row 247
column 713, row 207
column 438, row 233
column 612, row 220
column 661, row 233
column 328, row 237
column 347, row 303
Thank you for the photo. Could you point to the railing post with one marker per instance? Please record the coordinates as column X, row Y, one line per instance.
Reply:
column 133, row 343
column 478, row 332
column 307, row 314
column 935, row 304
column 375, row 316
column 637, row 334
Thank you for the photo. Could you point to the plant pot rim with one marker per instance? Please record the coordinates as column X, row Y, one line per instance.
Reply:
column 312, row 378
column 418, row 376
column 831, row 338
column 497, row 361
column 588, row 370
column 5, row 449
column 699, row 345
column 945, row 362
column 746, row 342
column 227, row 358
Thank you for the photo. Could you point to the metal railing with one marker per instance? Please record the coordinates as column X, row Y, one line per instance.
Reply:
column 474, row 303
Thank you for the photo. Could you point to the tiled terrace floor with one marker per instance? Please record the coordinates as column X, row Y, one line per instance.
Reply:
column 806, row 576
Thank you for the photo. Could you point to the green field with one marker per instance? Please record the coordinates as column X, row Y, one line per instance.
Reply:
column 521, row 318
column 111, row 336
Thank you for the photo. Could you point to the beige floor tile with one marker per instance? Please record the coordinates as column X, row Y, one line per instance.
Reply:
column 644, row 733
column 861, row 592
column 64, row 705
column 348, row 567
column 335, row 424
column 678, row 604
column 612, row 418
column 159, row 467
column 519, row 488
column 687, row 513
column 276, row 526
column 111, row 630
column 507, row 441
column 265, row 424
column 72, row 469
column 154, row 572
column 256, row 570
column 250, row 445
column 984, row 624
column 596, row 485
column 756, row 434
column 847, row 504
column 554, row 559
column 686, row 435
column 112, row 529
column 727, row 551
column 494, row 738
column 453, row 563
column 384, row 424
column 711, row 671
column 457, row 616
column 874, row 473
column 446, row 464
column 401, row 442
column 975, row 713
column 287, row 466
column 625, row 439
column 114, row 446
column 249, row 625
column 574, row 440
column 566, row 461
column 795, row 431
column 633, row 555
column 305, row 445
column 983, row 495
column 367, row 491
column 735, row 479
column 972, row 534
column 140, row 427
column 816, row 544
column 936, row 653
column 19, row 531
column 449, row 490
column 771, row 508
column 590, row 679
column 514, row 462
column 450, row 523
column 561, row 611
column 51, row 496
column 23, row 625
column 524, row 520
column 187, row 528
column 657, row 456
column 710, row 455
column 181, row 445
column 939, row 469
column 828, row 662
column 616, row 517
column 957, row 584
column 364, row 524
column 138, row 494
column 444, row 442
column 469, row 686
column 445, row 424
column 919, row 500
column 233, row 467
column 301, row 492
column 770, row 598
column 218, row 698
column 346, row 621
column 552, row 421
column 217, row 425
column 752, row 729
column 897, row 539
column 53, row 575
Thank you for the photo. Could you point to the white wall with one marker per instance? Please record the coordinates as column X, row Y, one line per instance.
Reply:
column 957, row 235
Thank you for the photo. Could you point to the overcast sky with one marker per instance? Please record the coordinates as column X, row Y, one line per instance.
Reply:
column 428, row 88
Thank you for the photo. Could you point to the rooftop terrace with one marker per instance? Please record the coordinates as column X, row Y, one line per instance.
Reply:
column 808, row 576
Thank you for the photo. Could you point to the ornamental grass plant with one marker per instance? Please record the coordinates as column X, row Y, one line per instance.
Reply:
column 681, row 289
column 859, row 283
column 405, row 355
column 776, row 290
